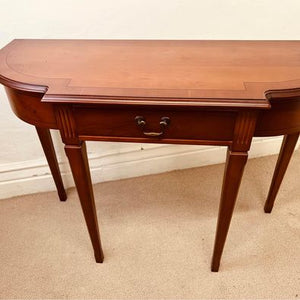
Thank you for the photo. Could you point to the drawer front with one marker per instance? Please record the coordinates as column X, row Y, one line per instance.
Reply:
column 153, row 124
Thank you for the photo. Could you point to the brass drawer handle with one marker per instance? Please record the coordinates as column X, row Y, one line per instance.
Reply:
column 164, row 122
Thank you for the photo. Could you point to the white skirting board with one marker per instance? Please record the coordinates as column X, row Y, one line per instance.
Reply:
column 34, row 176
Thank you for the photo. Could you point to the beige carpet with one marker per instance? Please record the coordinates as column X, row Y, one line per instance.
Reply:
column 157, row 233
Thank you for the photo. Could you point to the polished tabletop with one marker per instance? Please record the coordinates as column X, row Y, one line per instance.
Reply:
column 173, row 72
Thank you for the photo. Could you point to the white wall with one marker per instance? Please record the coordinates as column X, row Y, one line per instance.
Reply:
column 22, row 164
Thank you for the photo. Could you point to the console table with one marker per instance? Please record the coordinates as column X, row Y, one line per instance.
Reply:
column 176, row 92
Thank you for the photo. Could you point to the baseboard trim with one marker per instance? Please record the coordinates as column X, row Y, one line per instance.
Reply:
column 34, row 176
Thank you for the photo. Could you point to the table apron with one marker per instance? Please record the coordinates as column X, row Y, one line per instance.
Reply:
column 147, row 125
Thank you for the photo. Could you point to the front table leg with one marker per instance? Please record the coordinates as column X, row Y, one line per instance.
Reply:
column 237, row 155
column 234, row 168
column 81, row 173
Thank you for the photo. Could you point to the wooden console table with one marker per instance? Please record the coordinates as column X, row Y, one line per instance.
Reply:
column 176, row 92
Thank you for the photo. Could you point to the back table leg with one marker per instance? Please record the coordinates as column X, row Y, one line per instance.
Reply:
column 47, row 144
column 286, row 151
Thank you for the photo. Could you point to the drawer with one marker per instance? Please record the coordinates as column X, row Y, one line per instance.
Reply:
column 153, row 124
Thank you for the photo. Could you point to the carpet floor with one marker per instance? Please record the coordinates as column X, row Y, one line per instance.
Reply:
column 157, row 233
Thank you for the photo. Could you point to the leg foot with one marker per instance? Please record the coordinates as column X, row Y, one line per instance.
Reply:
column 99, row 257
column 215, row 267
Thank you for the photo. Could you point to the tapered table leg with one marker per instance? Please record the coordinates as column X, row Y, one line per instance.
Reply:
column 286, row 151
column 234, row 168
column 47, row 144
column 80, row 169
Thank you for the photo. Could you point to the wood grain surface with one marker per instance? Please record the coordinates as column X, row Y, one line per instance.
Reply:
column 173, row 72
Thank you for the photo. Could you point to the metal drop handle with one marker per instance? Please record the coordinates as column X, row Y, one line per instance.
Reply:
column 164, row 122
